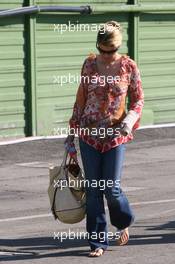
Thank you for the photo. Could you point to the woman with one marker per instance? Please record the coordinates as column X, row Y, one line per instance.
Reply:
column 107, row 79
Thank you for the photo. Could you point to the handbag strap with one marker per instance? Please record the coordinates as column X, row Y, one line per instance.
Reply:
column 64, row 158
column 71, row 159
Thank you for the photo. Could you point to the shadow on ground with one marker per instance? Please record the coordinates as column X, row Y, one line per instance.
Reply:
column 42, row 247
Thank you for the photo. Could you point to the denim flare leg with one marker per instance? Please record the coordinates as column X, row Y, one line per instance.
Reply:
column 104, row 169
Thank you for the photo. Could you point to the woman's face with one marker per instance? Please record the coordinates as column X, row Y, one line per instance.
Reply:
column 107, row 57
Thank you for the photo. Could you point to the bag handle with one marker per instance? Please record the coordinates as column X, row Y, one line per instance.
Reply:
column 65, row 156
column 63, row 164
column 72, row 160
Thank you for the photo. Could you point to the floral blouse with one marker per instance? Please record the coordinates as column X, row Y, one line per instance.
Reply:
column 100, row 104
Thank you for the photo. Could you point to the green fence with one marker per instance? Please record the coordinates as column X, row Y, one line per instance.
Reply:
column 34, row 54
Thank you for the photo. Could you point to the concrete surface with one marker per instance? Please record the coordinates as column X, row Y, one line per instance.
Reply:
column 27, row 226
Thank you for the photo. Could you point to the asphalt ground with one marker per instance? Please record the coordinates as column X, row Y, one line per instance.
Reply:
column 27, row 227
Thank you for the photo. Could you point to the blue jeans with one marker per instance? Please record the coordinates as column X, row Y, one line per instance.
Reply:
column 103, row 173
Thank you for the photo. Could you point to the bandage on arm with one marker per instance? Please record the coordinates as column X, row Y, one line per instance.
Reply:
column 136, row 101
column 129, row 121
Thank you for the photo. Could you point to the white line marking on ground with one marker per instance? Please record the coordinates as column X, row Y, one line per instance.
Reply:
column 157, row 215
column 154, row 202
column 25, row 217
column 48, row 215
column 157, row 126
column 26, row 139
column 34, row 164
column 146, row 238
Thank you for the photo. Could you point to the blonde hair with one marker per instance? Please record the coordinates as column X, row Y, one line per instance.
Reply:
column 110, row 34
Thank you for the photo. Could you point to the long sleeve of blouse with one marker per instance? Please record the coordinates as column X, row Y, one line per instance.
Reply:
column 81, row 96
column 90, row 107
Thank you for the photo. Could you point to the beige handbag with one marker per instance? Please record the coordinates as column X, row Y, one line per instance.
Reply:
column 66, row 191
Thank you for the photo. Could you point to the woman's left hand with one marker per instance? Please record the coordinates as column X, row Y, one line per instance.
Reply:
column 124, row 129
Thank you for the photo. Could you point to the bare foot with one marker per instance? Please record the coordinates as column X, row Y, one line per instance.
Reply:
column 124, row 237
column 96, row 253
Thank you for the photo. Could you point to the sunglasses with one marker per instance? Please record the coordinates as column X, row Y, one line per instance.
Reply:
column 107, row 52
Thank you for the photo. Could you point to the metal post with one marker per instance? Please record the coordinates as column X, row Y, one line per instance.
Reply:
column 31, row 74
column 136, row 19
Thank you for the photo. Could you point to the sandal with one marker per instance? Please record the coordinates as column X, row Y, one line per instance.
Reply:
column 97, row 252
column 123, row 238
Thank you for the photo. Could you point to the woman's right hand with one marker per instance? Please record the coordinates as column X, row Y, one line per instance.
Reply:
column 70, row 147
column 69, row 139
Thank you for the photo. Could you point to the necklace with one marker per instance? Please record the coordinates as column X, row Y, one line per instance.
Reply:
column 109, row 64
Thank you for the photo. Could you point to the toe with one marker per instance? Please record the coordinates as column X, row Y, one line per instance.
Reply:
column 124, row 237
column 99, row 252
column 96, row 253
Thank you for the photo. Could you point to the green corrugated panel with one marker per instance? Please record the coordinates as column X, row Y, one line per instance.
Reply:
column 157, row 62
column 11, row 4
column 155, row 1
column 79, row 2
column 12, row 82
column 63, row 54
